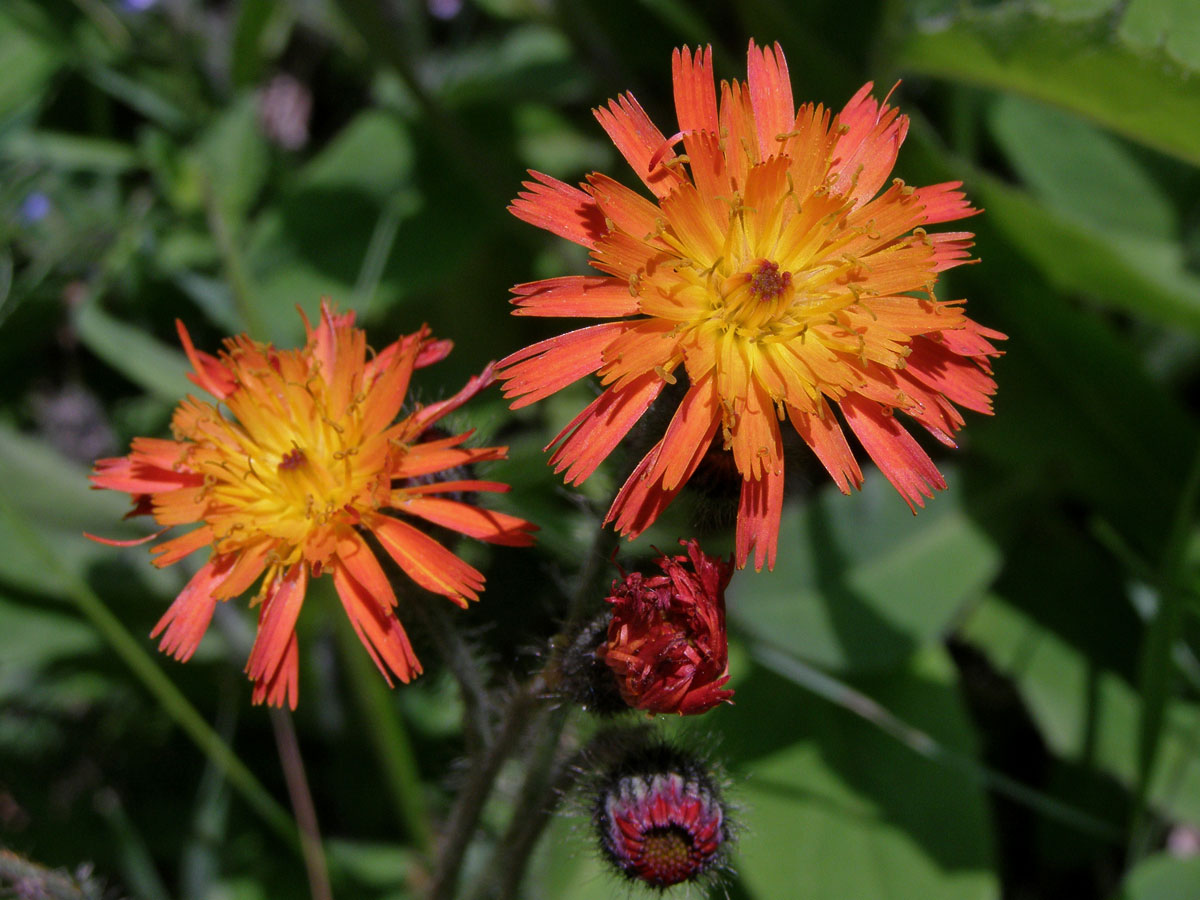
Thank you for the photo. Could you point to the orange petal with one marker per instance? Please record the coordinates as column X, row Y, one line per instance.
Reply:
column 430, row 413
column 689, row 435
column 630, row 211
column 695, row 95
column 250, row 562
column 771, row 95
column 210, row 374
column 437, row 456
column 960, row 379
column 177, row 548
column 131, row 542
column 642, row 499
column 277, row 623
column 358, row 560
column 759, row 509
column 560, row 209
column 186, row 620
column 638, row 140
column 443, row 487
column 599, row 298
column 284, row 685
column 825, row 436
column 426, row 561
column 548, row 366
column 386, row 392
column 593, row 434
column 899, row 457
column 944, row 202
column 868, row 146
column 377, row 627
column 485, row 524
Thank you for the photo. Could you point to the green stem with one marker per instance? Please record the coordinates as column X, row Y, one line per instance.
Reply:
column 143, row 666
column 389, row 737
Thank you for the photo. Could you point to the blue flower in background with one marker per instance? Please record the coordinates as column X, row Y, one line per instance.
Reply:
column 35, row 208
column 138, row 5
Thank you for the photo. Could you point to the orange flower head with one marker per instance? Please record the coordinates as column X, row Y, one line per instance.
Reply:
column 666, row 642
column 779, row 272
column 300, row 454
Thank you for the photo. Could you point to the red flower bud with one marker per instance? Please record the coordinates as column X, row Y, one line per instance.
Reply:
column 660, row 818
column 666, row 642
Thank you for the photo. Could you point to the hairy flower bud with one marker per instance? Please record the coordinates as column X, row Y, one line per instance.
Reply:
column 660, row 818
column 666, row 641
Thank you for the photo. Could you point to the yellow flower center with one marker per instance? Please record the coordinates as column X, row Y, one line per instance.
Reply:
column 285, row 463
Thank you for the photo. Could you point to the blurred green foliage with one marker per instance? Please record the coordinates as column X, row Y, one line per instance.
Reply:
column 1000, row 697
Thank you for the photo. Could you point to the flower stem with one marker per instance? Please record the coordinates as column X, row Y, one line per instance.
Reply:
column 478, row 786
column 302, row 803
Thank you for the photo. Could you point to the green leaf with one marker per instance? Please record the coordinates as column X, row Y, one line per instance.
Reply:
column 1130, row 67
column 252, row 19
column 1081, row 171
column 29, row 62
column 69, row 151
column 1086, row 711
column 155, row 367
column 234, row 156
column 860, row 583
column 834, row 808
column 1163, row 878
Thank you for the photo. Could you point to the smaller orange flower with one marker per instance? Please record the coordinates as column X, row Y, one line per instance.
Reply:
column 299, row 455
column 666, row 642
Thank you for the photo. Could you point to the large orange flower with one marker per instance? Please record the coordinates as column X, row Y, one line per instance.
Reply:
column 299, row 455
column 778, row 272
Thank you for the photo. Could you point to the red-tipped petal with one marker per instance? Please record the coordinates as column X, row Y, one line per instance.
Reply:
column 575, row 296
column 426, row 561
column 827, row 440
column 283, row 686
column 277, row 623
column 377, row 627
column 484, row 524
column 186, row 620
column 759, row 510
column 771, row 94
column 602, row 424
column 560, row 209
column 639, row 141
column 893, row 449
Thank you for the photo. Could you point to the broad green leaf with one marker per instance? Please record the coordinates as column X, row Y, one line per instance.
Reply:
column 155, row 367
column 1145, row 278
column 1085, row 711
column 1130, row 67
column 1163, row 877
column 1080, row 170
column 834, row 808
column 860, row 582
